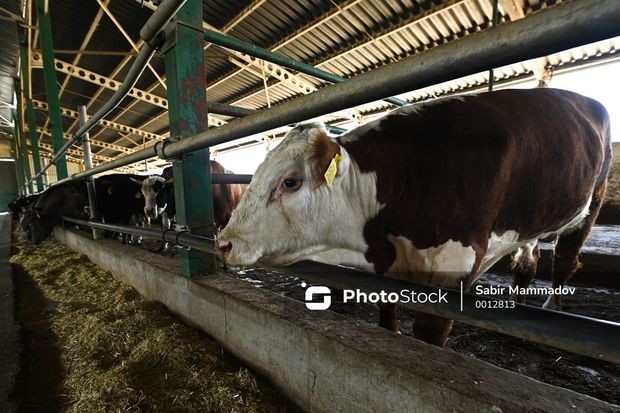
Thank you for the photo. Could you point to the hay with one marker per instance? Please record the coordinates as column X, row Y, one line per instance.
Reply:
column 122, row 353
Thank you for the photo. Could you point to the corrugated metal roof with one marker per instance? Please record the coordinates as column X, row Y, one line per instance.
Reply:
column 346, row 37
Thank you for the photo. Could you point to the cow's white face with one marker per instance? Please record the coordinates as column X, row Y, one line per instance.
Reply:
column 289, row 212
column 150, row 187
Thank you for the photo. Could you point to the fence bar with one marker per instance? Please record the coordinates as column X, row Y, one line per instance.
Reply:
column 552, row 30
column 239, row 112
column 233, row 43
column 230, row 179
column 577, row 334
column 88, row 163
column 228, row 110
column 155, row 24
column 182, row 238
column 494, row 19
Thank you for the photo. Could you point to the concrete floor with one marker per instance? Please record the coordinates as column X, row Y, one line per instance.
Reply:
column 10, row 343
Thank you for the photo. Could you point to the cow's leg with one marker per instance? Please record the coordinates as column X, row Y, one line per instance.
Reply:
column 388, row 316
column 523, row 268
column 431, row 328
column 566, row 252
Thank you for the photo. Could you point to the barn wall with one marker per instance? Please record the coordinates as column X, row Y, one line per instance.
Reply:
column 5, row 149
column 324, row 361
column 8, row 183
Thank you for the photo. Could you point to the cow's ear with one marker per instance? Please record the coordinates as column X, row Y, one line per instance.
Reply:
column 136, row 181
column 323, row 158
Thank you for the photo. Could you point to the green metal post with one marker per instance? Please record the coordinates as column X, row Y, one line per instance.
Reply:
column 51, row 87
column 19, row 133
column 18, row 163
column 187, row 111
column 30, row 116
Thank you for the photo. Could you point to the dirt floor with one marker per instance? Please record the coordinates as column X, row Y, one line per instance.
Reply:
column 93, row 344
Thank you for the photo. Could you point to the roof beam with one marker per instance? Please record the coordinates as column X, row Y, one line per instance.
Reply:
column 417, row 19
column 106, row 82
column 38, row 104
column 101, row 144
column 104, row 7
column 87, row 37
column 311, row 26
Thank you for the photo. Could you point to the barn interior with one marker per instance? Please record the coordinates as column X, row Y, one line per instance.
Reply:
column 131, row 77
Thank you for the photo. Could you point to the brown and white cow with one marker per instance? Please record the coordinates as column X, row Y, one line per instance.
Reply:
column 435, row 193
column 158, row 193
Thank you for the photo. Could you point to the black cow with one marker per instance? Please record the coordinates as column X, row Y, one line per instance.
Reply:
column 69, row 199
column 19, row 204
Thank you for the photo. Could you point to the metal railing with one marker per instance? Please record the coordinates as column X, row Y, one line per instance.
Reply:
column 578, row 334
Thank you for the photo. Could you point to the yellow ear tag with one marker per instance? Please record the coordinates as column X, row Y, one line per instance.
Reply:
column 110, row 190
column 332, row 169
column 138, row 195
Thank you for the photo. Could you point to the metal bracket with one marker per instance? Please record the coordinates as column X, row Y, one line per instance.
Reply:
column 160, row 149
column 180, row 229
column 169, row 34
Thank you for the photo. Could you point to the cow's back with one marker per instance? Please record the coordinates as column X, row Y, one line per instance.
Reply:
column 463, row 168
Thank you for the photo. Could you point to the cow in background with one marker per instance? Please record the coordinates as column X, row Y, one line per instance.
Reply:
column 158, row 193
column 434, row 193
column 119, row 201
column 19, row 204
column 226, row 197
column 68, row 199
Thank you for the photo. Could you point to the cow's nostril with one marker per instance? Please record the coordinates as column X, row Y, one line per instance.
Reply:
column 224, row 246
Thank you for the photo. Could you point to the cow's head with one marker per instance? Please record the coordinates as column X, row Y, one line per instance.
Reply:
column 35, row 226
column 298, row 204
column 152, row 191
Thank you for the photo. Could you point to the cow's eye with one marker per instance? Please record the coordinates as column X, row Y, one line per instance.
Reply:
column 291, row 183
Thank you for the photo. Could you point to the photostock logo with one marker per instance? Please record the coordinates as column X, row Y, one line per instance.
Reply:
column 319, row 292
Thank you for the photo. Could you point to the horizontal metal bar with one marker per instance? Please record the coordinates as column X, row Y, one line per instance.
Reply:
column 578, row 334
column 182, row 238
column 230, row 179
column 141, row 155
column 228, row 110
column 233, row 43
column 555, row 29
